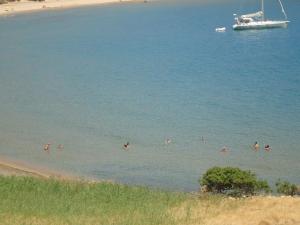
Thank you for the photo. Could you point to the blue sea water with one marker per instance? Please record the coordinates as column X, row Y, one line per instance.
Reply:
column 94, row 78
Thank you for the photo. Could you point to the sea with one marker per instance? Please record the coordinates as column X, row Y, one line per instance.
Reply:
column 157, row 75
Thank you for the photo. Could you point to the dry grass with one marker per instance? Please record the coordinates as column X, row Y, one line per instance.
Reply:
column 249, row 211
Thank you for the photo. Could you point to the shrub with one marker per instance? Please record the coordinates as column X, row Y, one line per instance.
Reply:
column 286, row 188
column 232, row 181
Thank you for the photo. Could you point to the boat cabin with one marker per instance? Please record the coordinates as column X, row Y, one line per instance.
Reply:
column 240, row 20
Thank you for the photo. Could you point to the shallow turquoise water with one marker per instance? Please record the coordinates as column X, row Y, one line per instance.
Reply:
column 94, row 78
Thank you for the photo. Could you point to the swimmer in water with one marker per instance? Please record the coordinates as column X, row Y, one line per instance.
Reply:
column 47, row 147
column 267, row 148
column 168, row 141
column 60, row 147
column 126, row 146
column 256, row 146
column 203, row 140
column 224, row 149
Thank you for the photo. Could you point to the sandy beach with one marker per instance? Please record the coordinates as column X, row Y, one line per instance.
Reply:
column 24, row 6
column 15, row 168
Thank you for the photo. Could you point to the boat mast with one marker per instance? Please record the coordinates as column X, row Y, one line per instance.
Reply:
column 262, row 9
column 282, row 9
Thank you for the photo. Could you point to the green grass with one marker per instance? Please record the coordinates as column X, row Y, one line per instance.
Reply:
column 27, row 200
column 36, row 201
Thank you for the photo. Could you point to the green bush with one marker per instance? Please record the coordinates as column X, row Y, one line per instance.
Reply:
column 233, row 181
column 286, row 188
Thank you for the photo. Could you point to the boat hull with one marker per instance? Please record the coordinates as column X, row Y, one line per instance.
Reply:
column 260, row 25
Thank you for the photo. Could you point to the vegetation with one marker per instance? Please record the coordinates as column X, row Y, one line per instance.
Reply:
column 286, row 188
column 27, row 200
column 233, row 181
column 36, row 201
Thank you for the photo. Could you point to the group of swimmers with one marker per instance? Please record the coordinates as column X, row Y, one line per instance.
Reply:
column 126, row 146
column 60, row 147
column 224, row 149
column 168, row 141
column 256, row 147
column 46, row 147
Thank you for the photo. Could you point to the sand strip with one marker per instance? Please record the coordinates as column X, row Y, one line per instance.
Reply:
column 25, row 6
column 9, row 168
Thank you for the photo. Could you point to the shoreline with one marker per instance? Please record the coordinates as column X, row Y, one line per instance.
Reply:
column 11, row 167
column 196, row 210
column 26, row 6
column 16, row 168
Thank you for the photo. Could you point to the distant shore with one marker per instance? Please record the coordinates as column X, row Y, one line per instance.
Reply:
column 25, row 6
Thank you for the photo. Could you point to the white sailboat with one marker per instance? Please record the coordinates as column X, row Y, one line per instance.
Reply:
column 257, row 20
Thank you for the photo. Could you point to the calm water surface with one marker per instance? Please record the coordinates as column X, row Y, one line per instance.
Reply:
column 94, row 78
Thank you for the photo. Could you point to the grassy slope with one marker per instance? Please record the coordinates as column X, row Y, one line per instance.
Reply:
column 27, row 200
